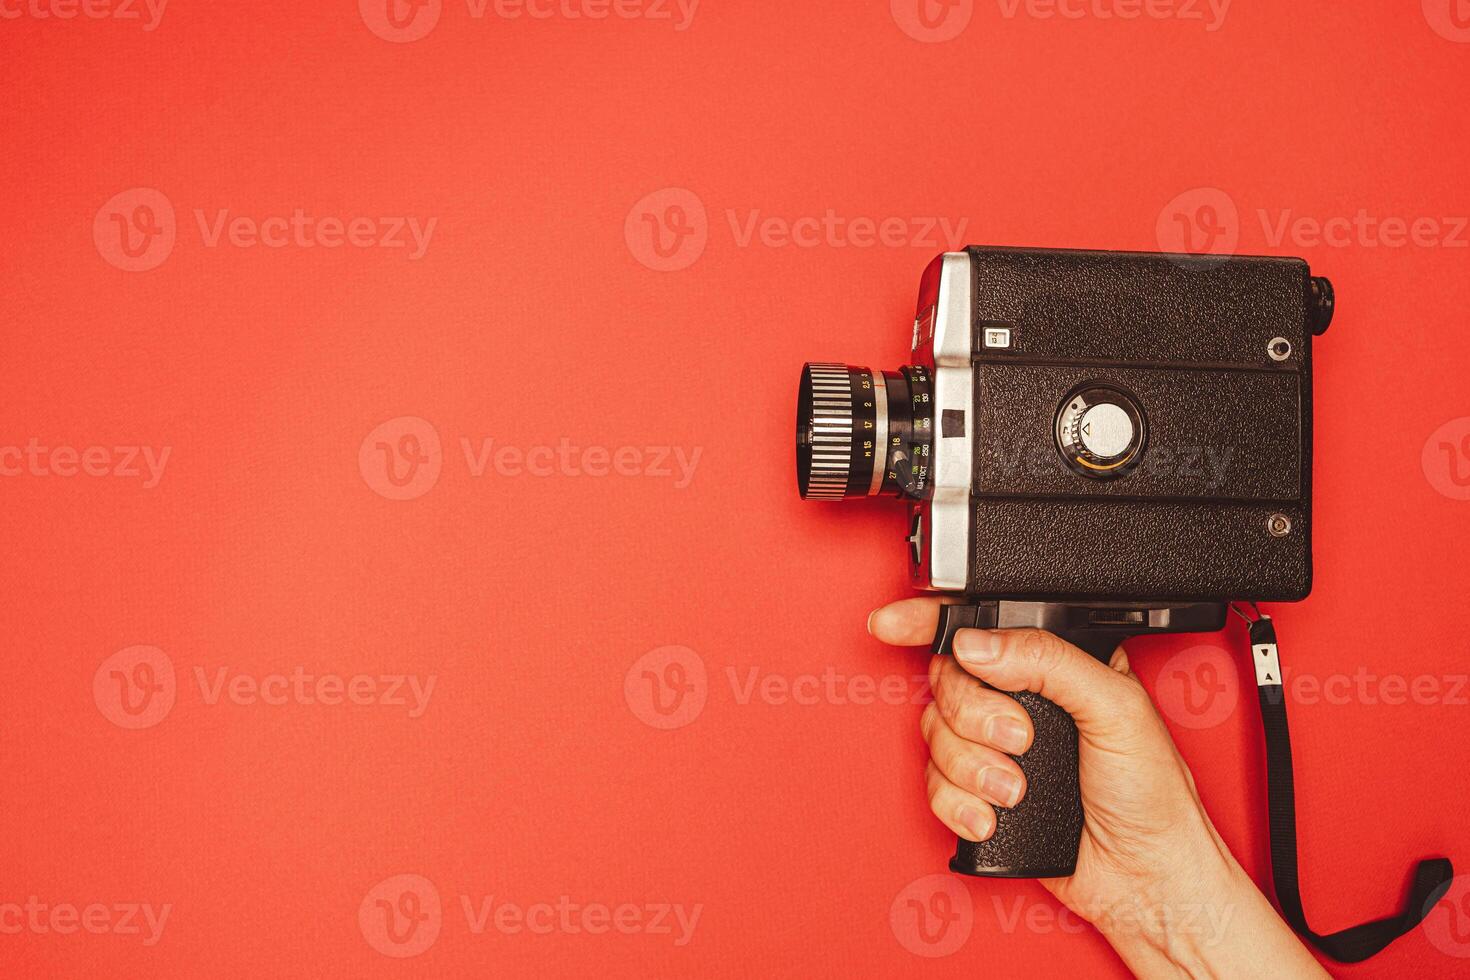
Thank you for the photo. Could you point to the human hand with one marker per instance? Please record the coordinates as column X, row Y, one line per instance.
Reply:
column 1152, row 873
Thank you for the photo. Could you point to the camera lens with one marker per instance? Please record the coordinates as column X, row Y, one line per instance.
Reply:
column 861, row 433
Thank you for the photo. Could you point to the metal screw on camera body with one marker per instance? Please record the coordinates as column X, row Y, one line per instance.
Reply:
column 1279, row 525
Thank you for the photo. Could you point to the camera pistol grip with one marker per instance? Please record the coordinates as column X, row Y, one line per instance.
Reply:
column 1038, row 837
column 1097, row 628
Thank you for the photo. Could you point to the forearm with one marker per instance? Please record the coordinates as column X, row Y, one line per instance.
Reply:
column 1227, row 929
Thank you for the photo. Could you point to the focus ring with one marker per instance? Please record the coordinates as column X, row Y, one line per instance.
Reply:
column 831, row 432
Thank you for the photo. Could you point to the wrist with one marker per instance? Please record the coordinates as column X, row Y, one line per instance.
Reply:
column 1208, row 921
column 1173, row 922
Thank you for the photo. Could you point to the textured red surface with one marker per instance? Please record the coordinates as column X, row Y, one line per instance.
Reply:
column 541, row 597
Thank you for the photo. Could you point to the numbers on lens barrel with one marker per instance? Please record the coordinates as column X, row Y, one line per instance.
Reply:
column 919, row 442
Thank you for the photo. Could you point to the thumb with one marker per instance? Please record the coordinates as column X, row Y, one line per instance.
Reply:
column 1094, row 694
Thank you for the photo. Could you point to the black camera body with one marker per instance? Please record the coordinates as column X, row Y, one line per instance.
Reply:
column 1199, row 369
column 1099, row 444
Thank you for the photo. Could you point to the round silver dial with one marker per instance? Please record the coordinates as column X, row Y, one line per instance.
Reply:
column 1100, row 431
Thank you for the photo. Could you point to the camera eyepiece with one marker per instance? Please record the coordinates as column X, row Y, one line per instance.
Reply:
column 860, row 433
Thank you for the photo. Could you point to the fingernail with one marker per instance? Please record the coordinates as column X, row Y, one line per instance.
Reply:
column 977, row 646
column 973, row 821
column 1006, row 734
column 1000, row 785
column 870, row 621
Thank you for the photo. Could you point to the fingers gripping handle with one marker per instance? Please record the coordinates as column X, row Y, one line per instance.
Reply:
column 1038, row 837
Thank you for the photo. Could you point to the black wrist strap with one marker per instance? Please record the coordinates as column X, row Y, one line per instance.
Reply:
column 1431, row 877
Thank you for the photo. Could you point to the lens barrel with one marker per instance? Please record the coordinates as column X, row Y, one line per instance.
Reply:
column 860, row 433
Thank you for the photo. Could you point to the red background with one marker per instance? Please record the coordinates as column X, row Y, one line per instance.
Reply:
column 531, row 319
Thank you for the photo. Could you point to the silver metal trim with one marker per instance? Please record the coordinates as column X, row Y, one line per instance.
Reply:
column 880, row 436
column 949, row 508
